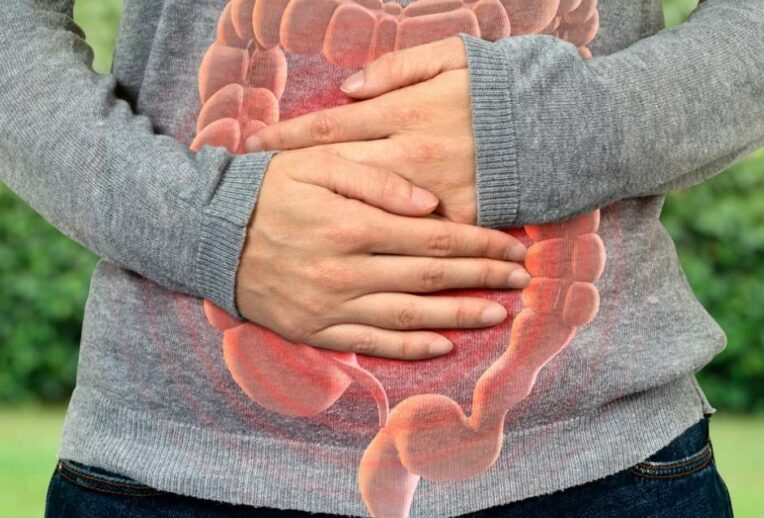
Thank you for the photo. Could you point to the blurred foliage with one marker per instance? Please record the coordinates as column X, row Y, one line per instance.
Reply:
column 718, row 228
column 43, row 282
column 43, row 275
column 677, row 11
column 100, row 19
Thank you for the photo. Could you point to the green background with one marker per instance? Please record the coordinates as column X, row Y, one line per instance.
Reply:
column 718, row 228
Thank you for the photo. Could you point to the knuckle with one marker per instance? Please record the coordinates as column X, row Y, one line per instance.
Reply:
column 483, row 244
column 390, row 66
column 374, row 232
column 404, row 116
column 441, row 241
column 406, row 317
column 321, row 306
column 314, row 308
column 424, row 152
column 364, row 343
column 293, row 328
column 463, row 315
column 323, row 127
column 347, row 236
column 485, row 273
column 433, row 275
column 406, row 348
column 329, row 276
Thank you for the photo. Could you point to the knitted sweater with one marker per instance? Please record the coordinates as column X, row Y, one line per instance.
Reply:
column 578, row 106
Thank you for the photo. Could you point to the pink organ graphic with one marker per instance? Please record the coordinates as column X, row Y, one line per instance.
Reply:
column 242, row 82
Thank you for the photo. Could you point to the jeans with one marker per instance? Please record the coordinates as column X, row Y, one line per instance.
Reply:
column 680, row 480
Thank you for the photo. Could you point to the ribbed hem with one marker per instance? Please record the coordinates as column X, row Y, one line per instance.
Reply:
column 493, row 128
column 224, row 228
column 261, row 470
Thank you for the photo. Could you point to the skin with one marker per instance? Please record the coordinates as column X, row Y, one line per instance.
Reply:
column 387, row 210
column 414, row 117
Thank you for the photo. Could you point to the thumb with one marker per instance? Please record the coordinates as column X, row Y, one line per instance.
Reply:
column 406, row 67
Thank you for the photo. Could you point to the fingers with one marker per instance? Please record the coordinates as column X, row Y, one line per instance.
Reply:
column 406, row 67
column 426, row 274
column 352, row 122
column 371, row 119
column 371, row 152
column 371, row 341
column 428, row 237
column 404, row 311
column 377, row 187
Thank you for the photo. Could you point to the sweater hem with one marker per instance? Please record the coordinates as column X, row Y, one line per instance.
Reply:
column 263, row 471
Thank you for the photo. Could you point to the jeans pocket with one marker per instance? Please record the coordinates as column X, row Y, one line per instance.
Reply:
column 100, row 480
column 687, row 454
column 677, row 468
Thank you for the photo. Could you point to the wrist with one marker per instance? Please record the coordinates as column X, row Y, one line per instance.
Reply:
column 226, row 219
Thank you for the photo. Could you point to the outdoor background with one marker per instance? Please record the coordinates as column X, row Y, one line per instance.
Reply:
column 718, row 228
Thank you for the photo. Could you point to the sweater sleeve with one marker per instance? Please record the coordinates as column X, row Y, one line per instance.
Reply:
column 98, row 172
column 557, row 135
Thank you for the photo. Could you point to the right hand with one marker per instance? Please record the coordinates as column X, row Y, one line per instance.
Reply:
column 335, row 251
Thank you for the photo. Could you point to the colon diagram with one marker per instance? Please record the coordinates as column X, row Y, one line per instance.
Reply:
column 244, row 81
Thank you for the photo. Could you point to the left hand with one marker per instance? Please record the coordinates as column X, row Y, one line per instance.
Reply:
column 414, row 119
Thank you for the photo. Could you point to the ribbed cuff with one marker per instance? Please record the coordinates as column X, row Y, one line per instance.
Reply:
column 493, row 129
column 224, row 228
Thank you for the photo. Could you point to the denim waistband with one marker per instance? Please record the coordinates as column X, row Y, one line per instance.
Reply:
column 688, row 443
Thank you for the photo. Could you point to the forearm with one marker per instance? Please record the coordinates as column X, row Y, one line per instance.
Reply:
column 100, row 174
column 557, row 135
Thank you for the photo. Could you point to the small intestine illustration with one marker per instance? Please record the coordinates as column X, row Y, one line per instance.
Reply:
column 242, row 80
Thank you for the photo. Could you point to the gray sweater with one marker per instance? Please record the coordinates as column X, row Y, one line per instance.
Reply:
column 106, row 159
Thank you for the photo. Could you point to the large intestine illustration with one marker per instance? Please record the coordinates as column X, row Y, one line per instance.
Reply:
column 242, row 79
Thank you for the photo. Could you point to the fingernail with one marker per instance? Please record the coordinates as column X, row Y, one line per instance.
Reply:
column 516, row 253
column 493, row 314
column 439, row 346
column 422, row 198
column 519, row 278
column 353, row 83
column 253, row 144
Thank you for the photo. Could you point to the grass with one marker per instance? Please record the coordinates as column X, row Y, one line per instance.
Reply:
column 739, row 450
column 29, row 439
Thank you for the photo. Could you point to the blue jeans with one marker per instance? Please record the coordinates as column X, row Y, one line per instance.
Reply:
column 679, row 481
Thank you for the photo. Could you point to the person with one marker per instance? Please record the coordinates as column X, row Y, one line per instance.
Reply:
column 337, row 221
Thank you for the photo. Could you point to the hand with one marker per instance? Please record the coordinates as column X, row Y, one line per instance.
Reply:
column 336, row 251
column 416, row 121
